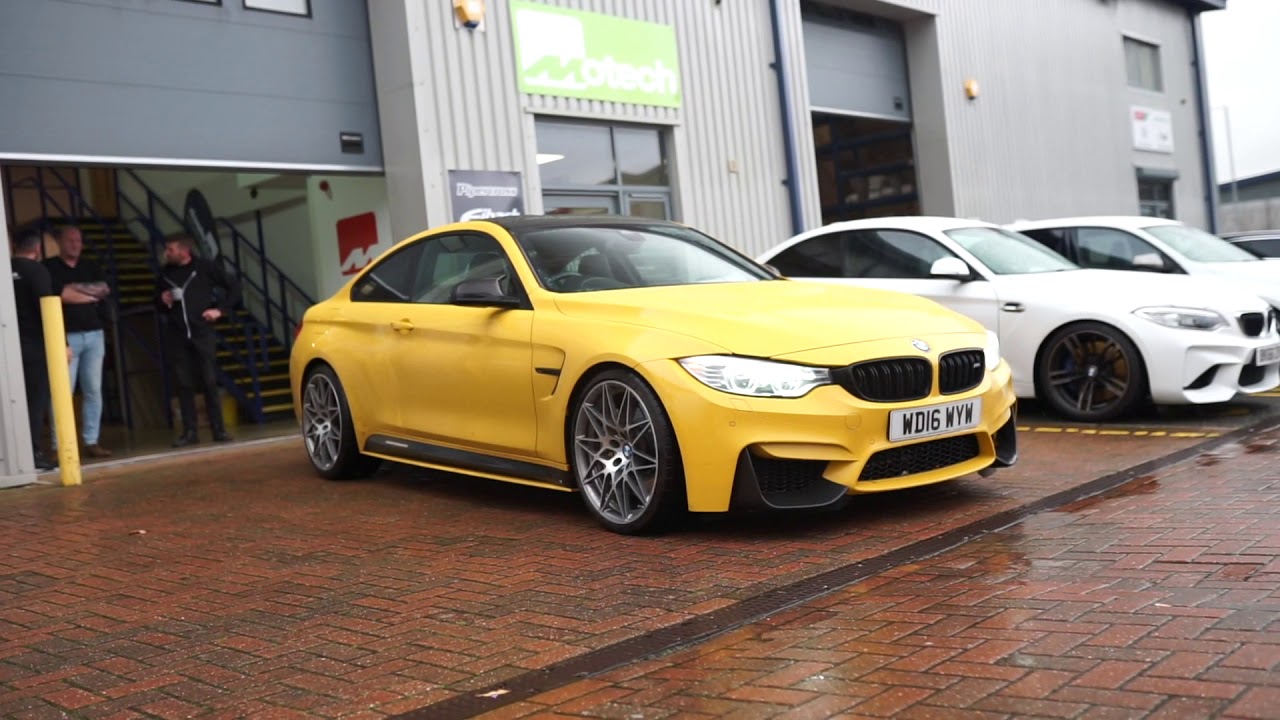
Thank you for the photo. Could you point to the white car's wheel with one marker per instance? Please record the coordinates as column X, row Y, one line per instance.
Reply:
column 1090, row 372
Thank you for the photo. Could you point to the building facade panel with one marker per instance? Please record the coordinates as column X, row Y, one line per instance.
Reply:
column 724, row 142
column 155, row 82
column 1055, row 137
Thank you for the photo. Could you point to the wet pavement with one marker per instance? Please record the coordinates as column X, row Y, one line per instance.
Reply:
column 236, row 584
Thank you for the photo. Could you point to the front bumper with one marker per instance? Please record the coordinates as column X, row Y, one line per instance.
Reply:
column 1206, row 368
column 810, row 452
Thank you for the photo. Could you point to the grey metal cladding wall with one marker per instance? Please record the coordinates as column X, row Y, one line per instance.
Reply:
column 729, row 112
column 136, row 81
column 1168, row 26
column 1049, row 134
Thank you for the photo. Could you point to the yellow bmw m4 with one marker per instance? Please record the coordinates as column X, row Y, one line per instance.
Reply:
column 645, row 365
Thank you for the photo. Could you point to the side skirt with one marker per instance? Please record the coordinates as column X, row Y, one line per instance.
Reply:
column 465, row 461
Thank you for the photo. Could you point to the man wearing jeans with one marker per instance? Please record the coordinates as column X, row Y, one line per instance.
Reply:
column 83, row 289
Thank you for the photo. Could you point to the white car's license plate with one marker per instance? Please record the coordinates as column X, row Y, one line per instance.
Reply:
column 912, row 423
column 1269, row 355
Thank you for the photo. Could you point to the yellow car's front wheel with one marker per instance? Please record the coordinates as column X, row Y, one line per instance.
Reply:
column 625, row 456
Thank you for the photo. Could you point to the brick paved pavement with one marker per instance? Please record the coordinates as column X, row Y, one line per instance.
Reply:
column 258, row 590
column 1161, row 601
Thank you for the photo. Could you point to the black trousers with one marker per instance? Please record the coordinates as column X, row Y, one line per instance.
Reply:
column 35, row 373
column 194, row 361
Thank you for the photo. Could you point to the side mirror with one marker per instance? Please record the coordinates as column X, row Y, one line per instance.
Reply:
column 1149, row 261
column 486, row 292
column 952, row 268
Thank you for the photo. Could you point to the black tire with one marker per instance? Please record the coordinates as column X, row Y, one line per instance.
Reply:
column 629, row 453
column 345, row 462
column 1090, row 372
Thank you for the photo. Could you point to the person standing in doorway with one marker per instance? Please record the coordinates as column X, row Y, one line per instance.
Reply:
column 30, row 283
column 84, row 290
column 194, row 293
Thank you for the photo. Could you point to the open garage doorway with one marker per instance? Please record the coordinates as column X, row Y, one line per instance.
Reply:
column 860, row 101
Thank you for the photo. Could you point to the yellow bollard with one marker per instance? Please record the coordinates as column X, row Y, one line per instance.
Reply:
column 64, row 418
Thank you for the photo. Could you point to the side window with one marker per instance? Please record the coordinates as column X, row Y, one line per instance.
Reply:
column 821, row 256
column 894, row 254
column 452, row 259
column 1056, row 239
column 391, row 279
column 1117, row 250
column 1266, row 248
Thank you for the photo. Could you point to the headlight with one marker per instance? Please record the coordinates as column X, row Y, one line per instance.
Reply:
column 756, row 378
column 1177, row 317
column 991, row 351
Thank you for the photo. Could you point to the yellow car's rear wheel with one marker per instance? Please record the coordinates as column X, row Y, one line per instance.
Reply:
column 625, row 456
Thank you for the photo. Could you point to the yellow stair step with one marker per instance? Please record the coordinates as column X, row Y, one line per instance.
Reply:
column 277, row 408
column 263, row 378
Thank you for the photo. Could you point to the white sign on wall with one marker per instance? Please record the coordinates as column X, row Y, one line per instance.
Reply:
column 1152, row 129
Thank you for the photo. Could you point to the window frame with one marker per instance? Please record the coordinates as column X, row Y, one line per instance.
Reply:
column 1157, row 53
column 245, row 4
column 618, row 190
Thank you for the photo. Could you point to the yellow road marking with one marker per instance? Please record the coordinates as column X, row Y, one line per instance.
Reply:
column 1054, row 429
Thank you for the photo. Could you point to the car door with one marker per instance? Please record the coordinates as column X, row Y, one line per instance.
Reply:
column 378, row 302
column 890, row 259
column 464, row 374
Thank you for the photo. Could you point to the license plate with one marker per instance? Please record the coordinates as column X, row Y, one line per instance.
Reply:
column 1268, row 355
column 912, row 423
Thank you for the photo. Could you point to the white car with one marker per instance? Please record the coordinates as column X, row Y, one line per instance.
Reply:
column 1092, row 344
column 1154, row 245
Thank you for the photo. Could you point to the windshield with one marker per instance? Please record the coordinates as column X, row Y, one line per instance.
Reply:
column 1198, row 245
column 1005, row 252
column 602, row 257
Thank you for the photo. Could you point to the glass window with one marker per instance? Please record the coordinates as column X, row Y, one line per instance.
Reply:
column 1117, row 250
column 821, row 256
column 1053, row 238
column 1198, row 245
column 288, row 7
column 1155, row 198
column 453, row 259
column 1142, row 64
column 604, row 257
column 1005, row 252
column 892, row 254
column 391, row 279
column 640, row 157
column 575, row 154
column 1269, row 247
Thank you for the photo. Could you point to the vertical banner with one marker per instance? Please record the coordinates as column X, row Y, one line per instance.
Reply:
column 481, row 194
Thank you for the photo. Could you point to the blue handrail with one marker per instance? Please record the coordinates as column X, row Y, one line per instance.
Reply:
column 254, row 351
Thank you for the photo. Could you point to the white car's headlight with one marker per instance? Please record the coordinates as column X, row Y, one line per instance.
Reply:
column 756, row 378
column 991, row 351
column 1180, row 317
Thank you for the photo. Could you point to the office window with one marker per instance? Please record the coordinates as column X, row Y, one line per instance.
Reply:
column 287, row 7
column 1155, row 198
column 1142, row 64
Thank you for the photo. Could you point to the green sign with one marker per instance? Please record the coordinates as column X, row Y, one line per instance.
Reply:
column 578, row 54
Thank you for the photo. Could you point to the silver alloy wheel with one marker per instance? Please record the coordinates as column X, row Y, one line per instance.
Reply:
column 615, row 452
column 322, row 421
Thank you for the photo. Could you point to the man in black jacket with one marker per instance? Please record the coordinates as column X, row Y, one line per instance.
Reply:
column 30, row 283
column 190, row 305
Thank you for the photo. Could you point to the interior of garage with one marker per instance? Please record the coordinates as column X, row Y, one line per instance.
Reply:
column 861, row 112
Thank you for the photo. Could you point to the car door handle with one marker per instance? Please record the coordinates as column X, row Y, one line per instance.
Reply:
column 1013, row 307
column 401, row 326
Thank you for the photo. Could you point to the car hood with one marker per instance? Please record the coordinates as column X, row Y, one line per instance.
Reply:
column 1122, row 291
column 771, row 318
column 1262, row 277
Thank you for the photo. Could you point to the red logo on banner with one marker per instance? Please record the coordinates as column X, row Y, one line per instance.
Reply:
column 357, row 235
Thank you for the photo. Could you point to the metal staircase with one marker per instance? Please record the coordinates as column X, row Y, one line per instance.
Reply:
column 253, row 343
